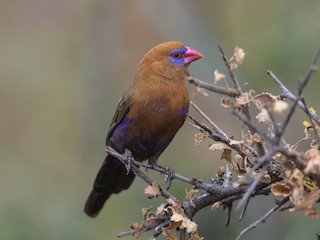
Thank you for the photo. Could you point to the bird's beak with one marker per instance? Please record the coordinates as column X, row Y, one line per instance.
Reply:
column 192, row 55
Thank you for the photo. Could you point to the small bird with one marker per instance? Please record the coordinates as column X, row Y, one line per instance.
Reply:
column 147, row 118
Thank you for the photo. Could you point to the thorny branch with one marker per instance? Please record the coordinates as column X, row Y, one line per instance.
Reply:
column 265, row 161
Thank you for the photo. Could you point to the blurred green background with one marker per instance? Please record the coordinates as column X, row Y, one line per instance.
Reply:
column 63, row 68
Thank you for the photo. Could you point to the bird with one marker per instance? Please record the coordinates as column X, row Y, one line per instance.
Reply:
column 147, row 117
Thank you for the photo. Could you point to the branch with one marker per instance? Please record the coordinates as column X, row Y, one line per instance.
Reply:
column 285, row 93
column 213, row 88
column 124, row 159
column 263, row 218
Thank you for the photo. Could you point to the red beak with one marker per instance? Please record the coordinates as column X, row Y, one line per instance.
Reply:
column 192, row 55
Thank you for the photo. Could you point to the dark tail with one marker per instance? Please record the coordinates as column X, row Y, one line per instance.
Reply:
column 111, row 178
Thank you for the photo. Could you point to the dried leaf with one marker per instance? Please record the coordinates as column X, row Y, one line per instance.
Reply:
column 145, row 211
column 195, row 236
column 263, row 117
column 199, row 137
column 239, row 54
column 226, row 103
column 237, row 58
column 218, row 77
column 281, row 189
column 265, row 178
column 161, row 208
column 170, row 235
column 235, row 142
column 138, row 227
column 218, row 146
column 244, row 98
column 202, row 91
column 186, row 223
column 256, row 138
column 179, row 216
column 265, row 99
column 280, row 106
column 152, row 190
column 192, row 195
column 313, row 165
column 216, row 205
column 307, row 203
column 226, row 154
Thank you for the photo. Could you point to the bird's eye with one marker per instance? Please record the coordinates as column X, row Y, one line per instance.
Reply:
column 176, row 55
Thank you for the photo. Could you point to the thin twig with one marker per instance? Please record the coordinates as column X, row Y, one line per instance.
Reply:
column 231, row 73
column 285, row 93
column 263, row 218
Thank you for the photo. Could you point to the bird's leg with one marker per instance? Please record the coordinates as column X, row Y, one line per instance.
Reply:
column 153, row 161
column 128, row 155
column 169, row 172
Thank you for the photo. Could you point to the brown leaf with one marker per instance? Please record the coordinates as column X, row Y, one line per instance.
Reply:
column 226, row 154
column 307, row 203
column 169, row 234
column 218, row 77
column 195, row 236
column 263, row 117
column 281, row 189
column 138, row 227
column 145, row 211
column 179, row 216
column 245, row 98
column 186, row 223
column 265, row 178
column 152, row 190
column 256, row 138
column 265, row 99
column 237, row 58
column 192, row 195
column 218, row 146
column 313, row 165
column 199, row 137
column 226, row 103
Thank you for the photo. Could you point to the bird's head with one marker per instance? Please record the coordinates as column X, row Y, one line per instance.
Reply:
column 169, row 59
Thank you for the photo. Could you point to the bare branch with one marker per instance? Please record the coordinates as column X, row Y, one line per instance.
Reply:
column 263, row 218
column 231, row 73
column 285, row 93
column 213, row 88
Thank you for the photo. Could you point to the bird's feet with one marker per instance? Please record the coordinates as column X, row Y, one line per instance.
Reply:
column 130, row 160
column 170, row 174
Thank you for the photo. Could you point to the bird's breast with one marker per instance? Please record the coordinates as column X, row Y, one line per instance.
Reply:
column 154, row 118
column 161, row 108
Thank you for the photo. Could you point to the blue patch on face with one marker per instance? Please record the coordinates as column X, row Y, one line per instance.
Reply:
column 182, row 111
column 177, row 56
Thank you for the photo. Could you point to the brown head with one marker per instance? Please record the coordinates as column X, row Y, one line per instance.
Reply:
column 169, row 60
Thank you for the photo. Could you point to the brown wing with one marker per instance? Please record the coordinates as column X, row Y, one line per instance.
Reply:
column 122, row 110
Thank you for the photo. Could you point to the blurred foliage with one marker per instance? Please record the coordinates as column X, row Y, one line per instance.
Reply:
column 65, row 64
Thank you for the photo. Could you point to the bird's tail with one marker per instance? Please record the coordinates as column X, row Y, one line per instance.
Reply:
column 111, row 178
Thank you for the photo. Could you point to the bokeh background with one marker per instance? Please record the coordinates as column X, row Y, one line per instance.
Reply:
column 65, row 64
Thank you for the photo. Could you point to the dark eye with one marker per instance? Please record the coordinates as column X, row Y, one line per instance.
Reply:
column 176, row 55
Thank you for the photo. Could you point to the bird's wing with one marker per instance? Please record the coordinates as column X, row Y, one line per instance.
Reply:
column 122, row 110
